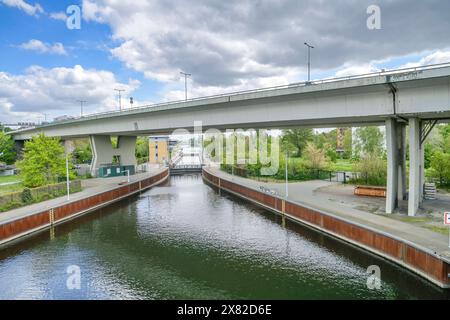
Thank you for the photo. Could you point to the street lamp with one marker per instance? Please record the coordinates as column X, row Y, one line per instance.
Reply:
column 286, row 176
column 81, row 106
column 186, row 75
column 128, row 175
column 309, row 60
column 67, row 177
column 120, row 97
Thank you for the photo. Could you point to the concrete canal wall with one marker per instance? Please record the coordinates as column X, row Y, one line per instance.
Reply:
column 22, row 226
column 421, row 261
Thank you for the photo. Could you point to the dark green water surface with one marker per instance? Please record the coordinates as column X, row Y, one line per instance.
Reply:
column 185, row 241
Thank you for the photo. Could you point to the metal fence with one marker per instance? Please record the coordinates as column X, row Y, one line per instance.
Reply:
column 39, row 193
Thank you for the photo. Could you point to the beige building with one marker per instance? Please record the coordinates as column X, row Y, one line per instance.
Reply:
column 158, row 150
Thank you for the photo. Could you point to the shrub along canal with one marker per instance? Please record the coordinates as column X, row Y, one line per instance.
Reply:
column 183, row 240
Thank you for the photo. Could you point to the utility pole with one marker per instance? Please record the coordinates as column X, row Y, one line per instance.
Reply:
column 309, row 60
column 186, row 75
column 81, row 106
column 120, row 97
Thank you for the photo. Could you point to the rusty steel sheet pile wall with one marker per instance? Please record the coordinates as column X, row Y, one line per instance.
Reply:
column 13, row 228
column 21, row 226
column 425, row 264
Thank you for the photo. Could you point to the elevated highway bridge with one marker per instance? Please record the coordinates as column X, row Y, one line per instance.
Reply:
column 417, row 97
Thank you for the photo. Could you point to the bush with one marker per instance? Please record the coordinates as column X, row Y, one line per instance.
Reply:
column 315, row 158
column 10, row 206
column 26, row 196
column 43, row 197
column 372, row 170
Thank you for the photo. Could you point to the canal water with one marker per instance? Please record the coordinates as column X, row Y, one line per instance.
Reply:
column 184, row 240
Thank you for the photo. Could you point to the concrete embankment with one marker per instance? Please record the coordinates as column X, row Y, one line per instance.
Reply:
column 15, row 225
column 397, row 245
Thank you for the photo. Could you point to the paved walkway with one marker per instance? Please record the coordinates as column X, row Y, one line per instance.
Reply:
column 303, row 193
column 90, row 188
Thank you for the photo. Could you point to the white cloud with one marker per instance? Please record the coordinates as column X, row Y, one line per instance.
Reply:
column 58, row 16
column 351, row 70
column 55, row 91
column 31, row 10
column 437, row 57
column 240, row 44
column 41, row 47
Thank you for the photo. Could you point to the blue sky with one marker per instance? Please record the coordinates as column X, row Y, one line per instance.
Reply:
column 142, row 46
column 88, row 47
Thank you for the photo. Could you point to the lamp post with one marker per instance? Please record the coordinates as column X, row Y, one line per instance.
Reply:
column 67, row 177
column 120, row 97
column 128, row 175
column 309, row 60
column 81, row 106
column 186, row 75
column 286, row 176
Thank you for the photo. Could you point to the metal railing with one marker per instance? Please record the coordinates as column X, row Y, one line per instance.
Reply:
column 236, row 93
column 187, row 166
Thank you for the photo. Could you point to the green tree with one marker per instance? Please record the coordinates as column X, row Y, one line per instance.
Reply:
column 440, row 167
column 444, row 131
column 5, row 129
column 328, row 142
column 348, row 144
column 295, row 140
column 7, row 152
column 369, row 140
column 82, row 152
column 43, row 161
column 142, row 149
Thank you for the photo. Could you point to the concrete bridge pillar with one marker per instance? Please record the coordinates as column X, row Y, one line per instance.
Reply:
column 396, row 161
column 392, row 165
column 19, row 145
column 422, row 171
column 69, row 146
column 401, row 144
column 103, row 152
column 415, row 164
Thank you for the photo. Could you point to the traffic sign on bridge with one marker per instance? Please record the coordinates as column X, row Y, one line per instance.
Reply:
column 447, row 222
column 447, row 218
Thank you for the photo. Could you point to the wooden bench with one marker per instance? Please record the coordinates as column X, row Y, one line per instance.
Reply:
column 370, row 191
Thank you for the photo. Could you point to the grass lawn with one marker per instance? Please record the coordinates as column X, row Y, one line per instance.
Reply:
column 7, row 179
column 343, row 165
column 9, row 188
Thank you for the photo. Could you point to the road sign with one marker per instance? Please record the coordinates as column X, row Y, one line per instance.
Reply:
column 447, row 218
column 447, row 222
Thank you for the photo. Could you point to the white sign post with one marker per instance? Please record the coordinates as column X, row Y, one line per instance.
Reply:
column 447, row 222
